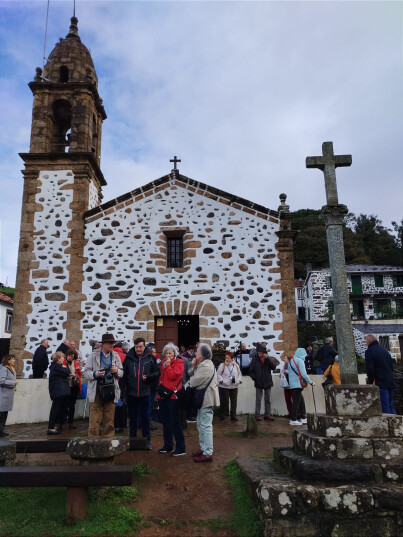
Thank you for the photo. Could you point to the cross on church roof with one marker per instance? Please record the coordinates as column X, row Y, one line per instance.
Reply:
column 175, row 160
column 328, row 164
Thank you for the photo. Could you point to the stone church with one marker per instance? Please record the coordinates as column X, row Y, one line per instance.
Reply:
column 174, row 260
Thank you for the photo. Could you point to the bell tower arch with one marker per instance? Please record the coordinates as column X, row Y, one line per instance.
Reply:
column 62, row 180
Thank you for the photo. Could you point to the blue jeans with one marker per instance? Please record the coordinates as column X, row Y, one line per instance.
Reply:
column 320, row 370
column 205, row 429
column 386, row 395
column 171, row 424
column 138, row 406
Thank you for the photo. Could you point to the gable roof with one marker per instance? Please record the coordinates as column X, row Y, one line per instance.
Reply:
column 177, row 179
column 5, row 298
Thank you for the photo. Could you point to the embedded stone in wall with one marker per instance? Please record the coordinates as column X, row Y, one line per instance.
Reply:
column 149, row 281
column 56, row 297
column 120, row 294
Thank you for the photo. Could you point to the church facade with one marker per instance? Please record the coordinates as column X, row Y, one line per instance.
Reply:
column 175, row 259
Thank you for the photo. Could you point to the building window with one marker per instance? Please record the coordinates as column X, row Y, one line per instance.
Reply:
column 398, row 280
column 328, row 282
column 174, row 252
column 330, row 308
column 382, row 306
column 378, row 280
column 399, row 306
column 358, row 308
column 356, row 285
column 9, row 321
column 300, row 293
column 64, row 74
column 384, row 342
column 301, row 314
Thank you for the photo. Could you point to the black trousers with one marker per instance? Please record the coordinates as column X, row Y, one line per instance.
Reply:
column 58, row 411
column 298, row 403
column 3, row 419
column 72, row 403
column 227, row 395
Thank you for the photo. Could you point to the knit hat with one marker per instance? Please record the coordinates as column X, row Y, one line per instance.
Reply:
column 260, row 348
column 300, row 353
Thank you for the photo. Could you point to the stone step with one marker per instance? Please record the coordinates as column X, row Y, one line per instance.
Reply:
column 289, row 507
column 337, row 471
column 364, row 449
column 387, row 425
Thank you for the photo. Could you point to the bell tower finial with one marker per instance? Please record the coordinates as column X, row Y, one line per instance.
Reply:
column 73, row 30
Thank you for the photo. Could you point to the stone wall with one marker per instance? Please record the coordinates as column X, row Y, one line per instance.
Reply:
column 230, row 275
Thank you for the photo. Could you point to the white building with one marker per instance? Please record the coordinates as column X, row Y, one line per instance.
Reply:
column 376, row 302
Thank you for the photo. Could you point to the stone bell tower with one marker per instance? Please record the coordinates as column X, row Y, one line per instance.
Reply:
column 62, row 180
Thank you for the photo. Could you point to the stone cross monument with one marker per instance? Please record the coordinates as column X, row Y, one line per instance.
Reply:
column 333, row 214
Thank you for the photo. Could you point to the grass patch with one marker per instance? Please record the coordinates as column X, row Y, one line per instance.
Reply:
column 40, row 512
column 142, row 469
column 245, row 521
column 214, row 524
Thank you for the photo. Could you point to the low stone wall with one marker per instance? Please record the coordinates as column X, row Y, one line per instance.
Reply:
column 32, row 402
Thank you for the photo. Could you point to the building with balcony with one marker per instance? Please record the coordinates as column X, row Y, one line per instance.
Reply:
column 376, row 302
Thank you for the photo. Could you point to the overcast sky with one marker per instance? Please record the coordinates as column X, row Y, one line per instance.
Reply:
column 242, row 92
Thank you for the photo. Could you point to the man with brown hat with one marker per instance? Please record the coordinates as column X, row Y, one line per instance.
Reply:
column 103, row 369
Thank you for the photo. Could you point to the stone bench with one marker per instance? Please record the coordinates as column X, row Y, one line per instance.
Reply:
column 77, row 479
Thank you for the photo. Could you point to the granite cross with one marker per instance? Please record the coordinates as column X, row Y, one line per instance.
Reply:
column 333, row 214
column 328, row 164
column 175, row 160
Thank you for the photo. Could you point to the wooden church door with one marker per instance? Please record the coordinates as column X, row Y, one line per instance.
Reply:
column 166, row 329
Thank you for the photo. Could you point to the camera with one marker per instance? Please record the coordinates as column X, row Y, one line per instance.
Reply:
column 108, row 377
column 233, row 380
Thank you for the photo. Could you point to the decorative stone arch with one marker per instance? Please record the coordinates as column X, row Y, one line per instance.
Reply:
column 160, row 308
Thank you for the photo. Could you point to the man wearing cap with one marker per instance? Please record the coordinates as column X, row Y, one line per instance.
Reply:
column 260, row 371
column 101, row 362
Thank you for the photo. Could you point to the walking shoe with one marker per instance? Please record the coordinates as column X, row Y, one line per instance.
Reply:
column 197, row 453
column 258, row 418
column 234, row 418
column 3, row 434
column 191, row 420
column 165, row 450
column 269, row 418
column 303, row 421
column 53, row 431
column 203, row 458
column 292, row 422
column 148, row 446
column 177, row 453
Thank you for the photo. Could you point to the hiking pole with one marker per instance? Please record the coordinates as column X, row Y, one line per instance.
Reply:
column 314, row 402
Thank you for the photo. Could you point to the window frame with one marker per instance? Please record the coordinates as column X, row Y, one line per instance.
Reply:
column 9, row 321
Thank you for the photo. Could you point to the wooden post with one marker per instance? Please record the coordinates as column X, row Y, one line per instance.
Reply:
column 76, row 504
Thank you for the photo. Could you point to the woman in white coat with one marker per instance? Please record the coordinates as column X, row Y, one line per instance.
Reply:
column 8, row 383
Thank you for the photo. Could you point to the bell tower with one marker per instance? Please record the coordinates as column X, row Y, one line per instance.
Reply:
column 62, row 180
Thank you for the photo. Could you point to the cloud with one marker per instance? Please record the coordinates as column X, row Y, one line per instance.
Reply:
column 242, row 92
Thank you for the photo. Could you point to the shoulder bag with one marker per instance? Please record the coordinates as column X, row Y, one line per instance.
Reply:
column 196, row 396
column 166, row 393
column 302, row 381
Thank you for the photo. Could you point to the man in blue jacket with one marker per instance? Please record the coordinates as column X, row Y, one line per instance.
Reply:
column 40, row 360
column 378, row 364
column 139, row 370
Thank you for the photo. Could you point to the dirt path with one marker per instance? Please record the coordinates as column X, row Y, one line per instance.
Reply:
column 180, row 498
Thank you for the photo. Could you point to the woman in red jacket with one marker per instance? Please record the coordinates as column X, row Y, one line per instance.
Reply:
column 71, row 361
column 172, row 368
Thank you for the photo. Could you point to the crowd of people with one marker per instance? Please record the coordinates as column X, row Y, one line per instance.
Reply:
column 124, row 384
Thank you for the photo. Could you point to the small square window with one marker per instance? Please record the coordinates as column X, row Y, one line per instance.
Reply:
column 174, row 252
column 398, row 280
column 378, row 280
column 328, row 282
